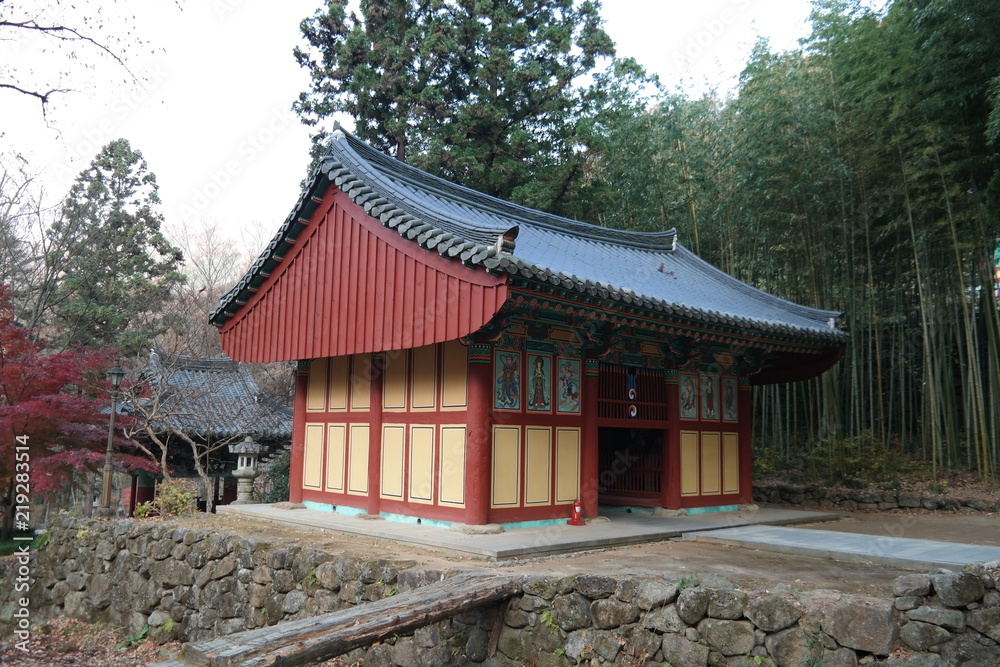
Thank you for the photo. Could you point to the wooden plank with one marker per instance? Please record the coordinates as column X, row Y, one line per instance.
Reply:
column 311, row 640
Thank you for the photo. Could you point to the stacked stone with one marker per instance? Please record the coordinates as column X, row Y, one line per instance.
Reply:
column 190, row 585
column 593, row 619
column 194, row 585
column 953, row 615
column 812, row 495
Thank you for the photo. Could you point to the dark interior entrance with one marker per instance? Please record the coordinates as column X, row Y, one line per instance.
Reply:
column 631, row 466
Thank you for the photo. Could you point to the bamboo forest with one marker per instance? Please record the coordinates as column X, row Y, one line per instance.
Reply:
column 857, row 173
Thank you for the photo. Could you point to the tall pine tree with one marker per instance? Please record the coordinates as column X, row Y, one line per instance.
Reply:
column 487, row 94
column 118, row 270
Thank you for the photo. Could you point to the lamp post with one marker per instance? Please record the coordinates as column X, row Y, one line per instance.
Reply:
column 115, row 376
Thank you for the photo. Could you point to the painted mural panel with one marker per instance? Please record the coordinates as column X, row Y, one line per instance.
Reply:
column 507, row 385
column 689, row 395
column 709, row 398
column 539, row 397
column 568, row 386
column 452, row 473
column 729, row 398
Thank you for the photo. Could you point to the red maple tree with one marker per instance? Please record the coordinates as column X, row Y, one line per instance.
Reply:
column 53, row 415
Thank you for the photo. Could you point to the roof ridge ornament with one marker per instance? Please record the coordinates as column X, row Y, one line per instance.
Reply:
column 506, row 241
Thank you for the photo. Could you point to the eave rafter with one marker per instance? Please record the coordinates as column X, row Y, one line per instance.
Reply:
column 639, row 321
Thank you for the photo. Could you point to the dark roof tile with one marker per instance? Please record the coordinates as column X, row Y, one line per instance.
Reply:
column 636, row 268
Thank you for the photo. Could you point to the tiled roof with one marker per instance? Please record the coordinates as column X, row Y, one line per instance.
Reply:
column 649, row 270
column 216, row 398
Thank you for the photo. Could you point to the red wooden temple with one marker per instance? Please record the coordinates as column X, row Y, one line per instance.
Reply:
column 464, row 359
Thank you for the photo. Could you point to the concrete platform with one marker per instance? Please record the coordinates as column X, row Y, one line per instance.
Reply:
column 903, row 553
column 521, row 543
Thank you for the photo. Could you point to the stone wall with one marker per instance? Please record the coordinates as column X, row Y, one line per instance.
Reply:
column 938, row 620
column 812, row 495
column 193, row 585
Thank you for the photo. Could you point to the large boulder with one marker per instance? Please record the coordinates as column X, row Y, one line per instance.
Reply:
column 793, row 648
column 728, row 637
column 986, row 621
column 170, row 573
column 652, row 593
column 664, row 619
column 921, row 636
column 911, row 584
column 571, row 612
column 612, row 613
column 864, row 624
column 946, row 618
column 957, row 589
column 692, row 604
column 681, row 652
column 595, row 586
column 772, row 613
column 726, row 603
column 964, row 651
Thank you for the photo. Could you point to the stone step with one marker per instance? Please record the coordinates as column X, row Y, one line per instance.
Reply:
column 311, row 640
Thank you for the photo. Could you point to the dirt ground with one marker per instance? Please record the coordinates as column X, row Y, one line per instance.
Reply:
column 67, row 642
column 667, row 559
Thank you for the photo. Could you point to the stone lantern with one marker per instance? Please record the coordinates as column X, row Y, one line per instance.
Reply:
column 247, row 452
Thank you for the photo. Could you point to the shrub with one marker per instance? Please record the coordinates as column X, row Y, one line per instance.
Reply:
column 173, row 498
column 276, row 478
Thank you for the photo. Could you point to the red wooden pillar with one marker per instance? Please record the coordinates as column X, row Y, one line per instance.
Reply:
column 375, row 370
column 745, row 429
column 298, row 432
column 671, row 480
column 589, row 464
column 479, row 443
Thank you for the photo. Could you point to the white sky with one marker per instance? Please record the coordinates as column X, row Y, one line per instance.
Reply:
column 212, row 113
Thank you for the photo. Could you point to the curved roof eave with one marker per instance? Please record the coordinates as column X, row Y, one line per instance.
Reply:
column 466, row 225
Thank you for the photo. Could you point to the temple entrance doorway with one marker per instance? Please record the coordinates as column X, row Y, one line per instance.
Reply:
column 630, row 466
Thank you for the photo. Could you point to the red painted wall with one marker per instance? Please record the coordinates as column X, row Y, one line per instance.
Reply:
column 351, row 285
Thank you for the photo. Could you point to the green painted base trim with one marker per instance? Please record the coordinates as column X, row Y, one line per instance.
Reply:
column 541, row 523
column 649, row 510
column 355, row 511
column 709, row 510
column 405, row 518
column 339, row 509
column 625, row 509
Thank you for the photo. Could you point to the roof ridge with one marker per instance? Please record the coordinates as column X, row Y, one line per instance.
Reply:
column 442, row 216
column 662, row 241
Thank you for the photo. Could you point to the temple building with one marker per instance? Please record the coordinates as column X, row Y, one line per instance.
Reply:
column 462, row 359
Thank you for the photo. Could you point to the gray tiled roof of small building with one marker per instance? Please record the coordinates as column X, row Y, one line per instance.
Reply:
column 651, row 270
column 217, row 398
